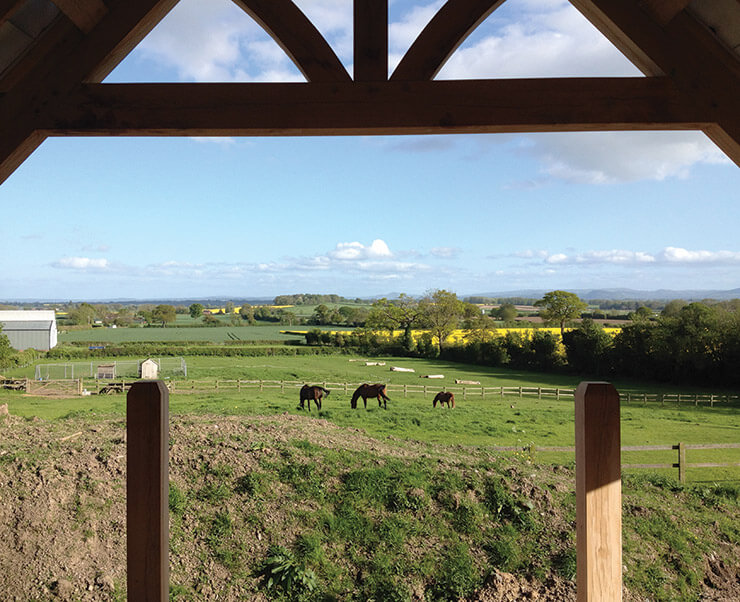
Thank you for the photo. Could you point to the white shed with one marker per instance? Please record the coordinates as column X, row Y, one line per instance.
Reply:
column 30, row 329
column 149, row 369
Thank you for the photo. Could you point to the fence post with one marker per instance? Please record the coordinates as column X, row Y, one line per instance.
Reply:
column 711, row 400
column 147, row 488
column 682, row 462
column 465, row 393
column 520, row 391
column 557, row 394
column 598, row 493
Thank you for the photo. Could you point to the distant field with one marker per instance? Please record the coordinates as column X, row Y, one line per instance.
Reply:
column 215, row 334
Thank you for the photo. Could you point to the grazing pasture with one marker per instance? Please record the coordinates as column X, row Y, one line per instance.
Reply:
column 483, row 422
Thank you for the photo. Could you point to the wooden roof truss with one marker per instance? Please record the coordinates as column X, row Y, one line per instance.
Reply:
column 50, row 80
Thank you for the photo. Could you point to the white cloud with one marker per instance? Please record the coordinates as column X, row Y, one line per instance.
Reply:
column 669, row 256
column 215, row 41
column 445, row 252
column 352, row 251
column 546, row 39
column 684, row 256
column 81, row 263
column 611, row 157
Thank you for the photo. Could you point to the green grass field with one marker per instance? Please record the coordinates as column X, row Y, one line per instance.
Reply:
column 476, row 421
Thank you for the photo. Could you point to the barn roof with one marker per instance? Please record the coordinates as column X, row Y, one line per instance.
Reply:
column 13, row 318
column 27, row 325
column 55, row 53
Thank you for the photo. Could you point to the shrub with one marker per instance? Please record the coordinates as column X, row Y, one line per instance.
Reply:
column 281, row 570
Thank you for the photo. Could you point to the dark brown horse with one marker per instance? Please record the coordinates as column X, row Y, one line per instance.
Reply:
column 444, row 397
column 314, row 393
column 366, row 391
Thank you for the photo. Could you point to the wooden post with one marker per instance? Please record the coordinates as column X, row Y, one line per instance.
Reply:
column 598, row 493
column 147, row 488
column 682, row 462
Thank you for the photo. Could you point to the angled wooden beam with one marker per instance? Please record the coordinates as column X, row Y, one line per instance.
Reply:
column 295, row 109
column 17, row 142
column 664, row 10
column 298, row 38
column 85, row 14
column 698, row 63
column 73, row 56
column 7, row 8
column 441, row 37
column 370, row 40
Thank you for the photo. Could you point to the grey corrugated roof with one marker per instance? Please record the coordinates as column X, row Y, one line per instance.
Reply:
column 26, row 325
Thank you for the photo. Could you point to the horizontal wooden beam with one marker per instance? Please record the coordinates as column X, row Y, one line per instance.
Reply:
column 437, row 107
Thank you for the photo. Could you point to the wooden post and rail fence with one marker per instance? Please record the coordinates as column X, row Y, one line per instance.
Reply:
column 94, row 386
column 598, row 491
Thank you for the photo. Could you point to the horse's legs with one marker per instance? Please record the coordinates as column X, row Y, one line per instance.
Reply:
column 318, row 402
column 364, row 400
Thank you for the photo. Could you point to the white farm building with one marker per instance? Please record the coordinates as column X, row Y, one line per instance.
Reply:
column 33, row 329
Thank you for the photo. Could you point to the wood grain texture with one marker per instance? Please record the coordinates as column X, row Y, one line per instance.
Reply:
column 147, row 488
column 298, row 38
column 370, row 40
column 296, row 109
column 598, row 493
column 449, row 27
column 85, row 14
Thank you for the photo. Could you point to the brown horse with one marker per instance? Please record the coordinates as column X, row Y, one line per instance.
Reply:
column 444, row 397
column 314, row 393
column 366, row 391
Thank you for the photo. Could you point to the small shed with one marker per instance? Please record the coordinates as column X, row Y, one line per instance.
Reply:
column 149, row 369
column 107, row 371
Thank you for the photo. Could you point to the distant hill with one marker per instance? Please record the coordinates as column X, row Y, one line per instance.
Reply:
column 625, row 294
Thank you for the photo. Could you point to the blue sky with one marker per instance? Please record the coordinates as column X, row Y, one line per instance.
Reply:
column 96, row 218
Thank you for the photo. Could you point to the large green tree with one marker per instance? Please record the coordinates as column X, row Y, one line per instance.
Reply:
column 403, row 313
column 196, row 310
column 441, row 311
column 6, row 351
column 560, row 307
column 164, row 314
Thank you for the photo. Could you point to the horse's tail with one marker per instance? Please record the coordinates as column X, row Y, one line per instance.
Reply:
column 382, row 393
column 326, row 391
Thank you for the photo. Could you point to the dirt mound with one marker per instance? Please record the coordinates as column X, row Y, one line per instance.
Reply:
column 62, row 504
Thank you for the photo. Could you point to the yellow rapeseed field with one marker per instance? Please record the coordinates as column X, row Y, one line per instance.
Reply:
column 460, row 335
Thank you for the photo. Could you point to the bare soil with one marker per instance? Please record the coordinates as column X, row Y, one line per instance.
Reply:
column 62, row 504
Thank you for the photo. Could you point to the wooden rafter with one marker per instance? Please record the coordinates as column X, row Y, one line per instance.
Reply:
column 441, row 37
column 298, row 38
column 85, row 14
column 75, row 58
column 665, row 10
column 7, row 8
column 700, row 66
column 295, row 109
column 53, row 89
column 371, row 40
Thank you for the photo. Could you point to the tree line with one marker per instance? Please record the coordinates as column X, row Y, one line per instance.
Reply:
column 692, row 343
